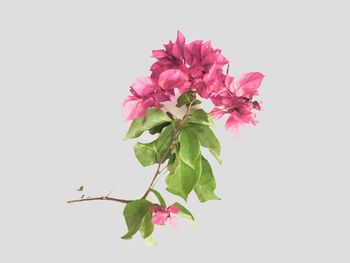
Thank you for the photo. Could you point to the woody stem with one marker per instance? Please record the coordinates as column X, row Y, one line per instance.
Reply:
column 155, row 176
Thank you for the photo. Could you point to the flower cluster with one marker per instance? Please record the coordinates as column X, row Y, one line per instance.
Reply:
column 196, row 66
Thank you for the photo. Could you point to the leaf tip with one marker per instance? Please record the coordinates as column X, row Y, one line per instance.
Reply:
column 80, row 189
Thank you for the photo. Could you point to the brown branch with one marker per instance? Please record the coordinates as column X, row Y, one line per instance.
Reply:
column 99, row 198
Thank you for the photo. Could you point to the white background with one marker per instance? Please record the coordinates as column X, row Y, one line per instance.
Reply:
column 65, row 68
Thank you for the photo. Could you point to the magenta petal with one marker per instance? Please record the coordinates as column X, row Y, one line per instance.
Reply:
column 225, row 99
column 180, row 38
column 158, row 54
column 243, row 116
column 211, row 75
column 217, row 113
column 155, row 208
column 159, row 218
column 172, row 78
column 206, row 49
column 173, row 220
column 173, row 209
column 229, row 83
column 177, row 49
column 200, row 88
column 129, row 106
column 188, row 56
column 168, row 47
column 249, row 84
column 134, row 107
column 144, row 86
column 232, row 123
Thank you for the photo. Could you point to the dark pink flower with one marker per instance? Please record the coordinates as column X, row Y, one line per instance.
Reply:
column 162, row 214
column 213, row 81
column 204, row 63
column 197, row 60
column 169, row 58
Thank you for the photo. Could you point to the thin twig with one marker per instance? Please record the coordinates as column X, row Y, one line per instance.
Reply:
column 99, row 198
column 160, row 176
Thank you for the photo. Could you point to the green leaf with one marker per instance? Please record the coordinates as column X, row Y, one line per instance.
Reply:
column 153, row 121
column 183, row 99
column 182, row 182
column 146, row 153
column 135, row 129
column 165, row 139
column 172, row 163
column 159, row 197
column 184, row 212
column 172, row 157
column 154, row 118
column 146, row 227
column 208, row 139
column 159, row 128
column 133, row 214
column 206, row 184
column 189, row 146
column 200, row 116
column 80, row 189
column 151, row 153
column 149, row 241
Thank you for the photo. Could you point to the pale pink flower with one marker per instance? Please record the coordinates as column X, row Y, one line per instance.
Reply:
column 171, row 78
column 135, row 106
column 247, row 86
column 145, row 94
column 162, row 214
column 236, row 99
column 149, row 93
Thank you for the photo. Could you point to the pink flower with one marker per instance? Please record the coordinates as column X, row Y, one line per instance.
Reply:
column 236, row 99
column 161, row 214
